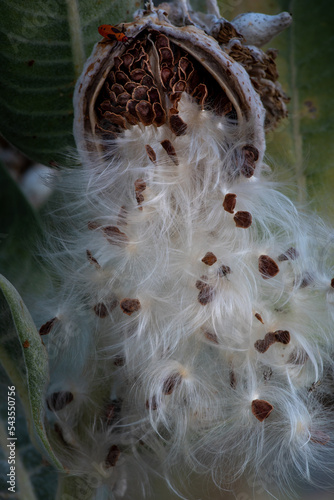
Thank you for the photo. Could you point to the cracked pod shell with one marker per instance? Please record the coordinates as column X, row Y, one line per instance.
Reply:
column 141, row 82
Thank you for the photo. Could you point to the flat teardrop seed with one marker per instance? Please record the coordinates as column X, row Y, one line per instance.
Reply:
column 150, row 153
column 229, row 202
column 209, row 259
column 129, row 306
column 113, row 456
column 267, row 267
column 170, row 383
column 261, row 409
column 47, row 327
column 170, row 150
column 243, row 219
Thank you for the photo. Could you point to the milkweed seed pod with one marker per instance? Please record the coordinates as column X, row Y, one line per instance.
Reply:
column 194, row 326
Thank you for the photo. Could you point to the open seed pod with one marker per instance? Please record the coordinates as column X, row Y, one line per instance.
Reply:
column 142, row 82
column 185, row 285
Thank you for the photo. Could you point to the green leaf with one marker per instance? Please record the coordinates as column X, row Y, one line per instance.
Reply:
column 43, row 47
column 25, row 360
column 20, row 229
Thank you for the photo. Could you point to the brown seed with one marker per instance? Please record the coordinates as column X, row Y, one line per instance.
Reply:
column 233, row 379
column 127, row 60
column 153, row 95
column 200, row 93
column 117, row 62
column 114, row 235
column 179, row 86
column 161, row 41
column 92, row 225
column 200, row 284
column 170, row 150
column 100, row 310
column 261, row 409
column 306, row 280
column 137, row 75
column 170, row 383
column 58, row 400
column 129, row 306
column 47, row 327
column 26, row 344
column 206, row 295
column 332, row 282
column 140, row 185
column 147, row 80
column 212, row 337
column 159, row 114
column 243, row 219
column 123, row 98
column 113, row 456
column 145, row 113
column 119, row 361
column 117, row 88
column 166, row 76
column 130, row 86
column 185, row 68
column 121, row 77
column 115, row 118
column 166, row 56
column 177, row 125
column 113, row 411
column 282, row 336
column 152, row 404
column 230, row 202
column 209, row 258
column 250, row 156
column 259, row 317
column 263, row 345
column 150, row 153
column 140, row 93
column 267, row 267
column 224, row 271
column 290, row 254
column 92, row 261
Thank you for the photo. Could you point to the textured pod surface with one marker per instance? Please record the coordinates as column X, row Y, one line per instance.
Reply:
column 197, row 299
